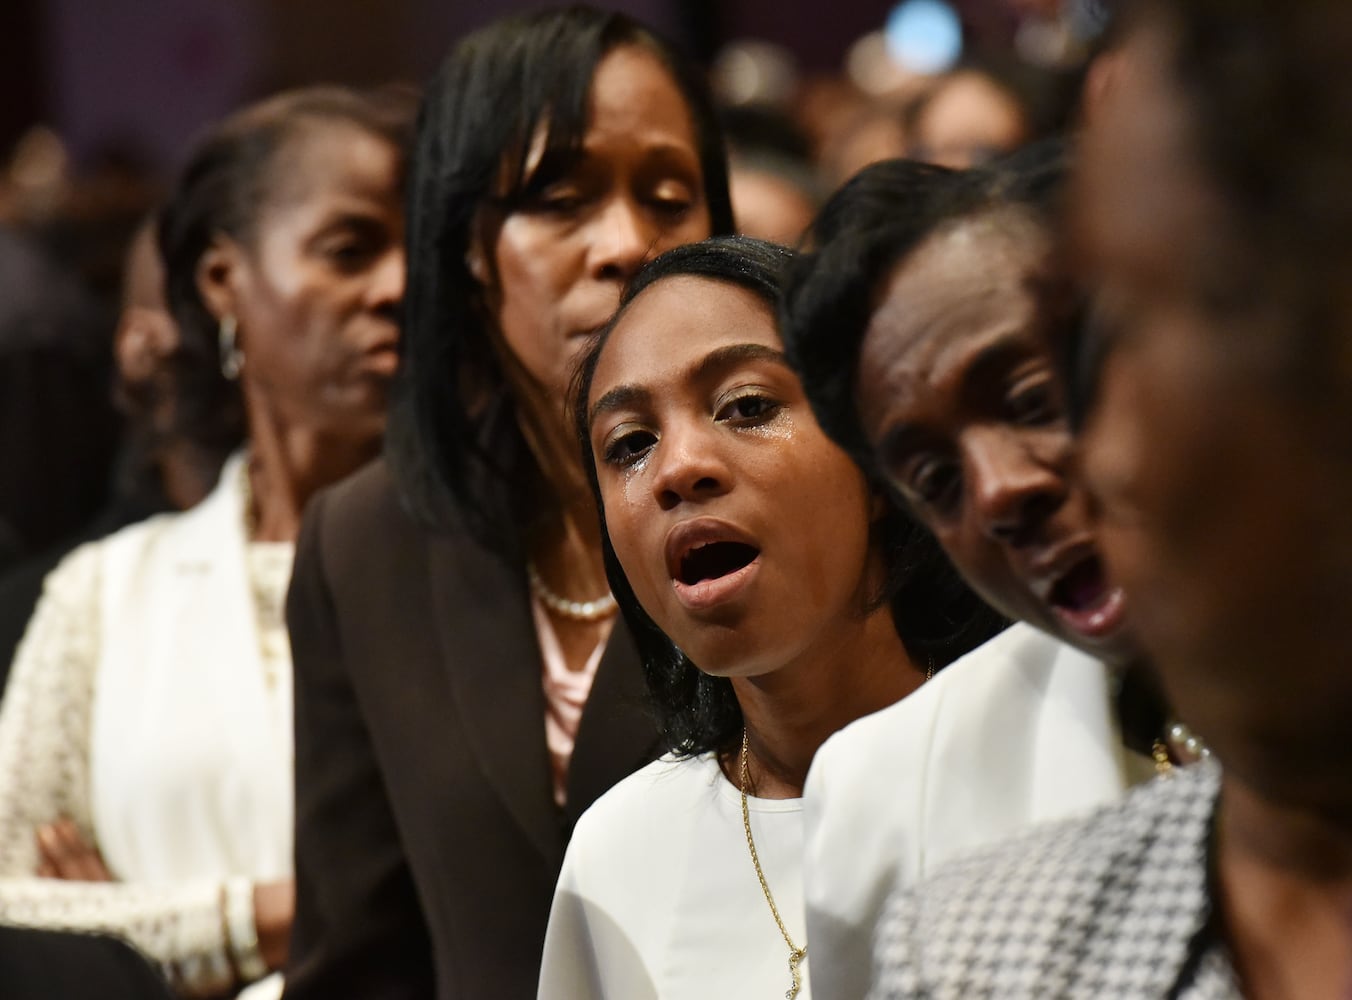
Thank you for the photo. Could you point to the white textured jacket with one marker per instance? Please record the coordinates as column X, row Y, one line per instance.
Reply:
column 148, row 704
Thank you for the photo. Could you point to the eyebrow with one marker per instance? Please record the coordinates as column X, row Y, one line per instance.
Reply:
column 995, row 358
column 716, row 361
column 725, row 357
column 366, row 223
column 990, row 361
column 622, row 397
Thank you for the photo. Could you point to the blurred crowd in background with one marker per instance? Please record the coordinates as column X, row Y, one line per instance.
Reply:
column 952, row 83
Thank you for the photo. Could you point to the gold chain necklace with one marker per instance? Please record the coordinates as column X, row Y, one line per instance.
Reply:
column 796, row 954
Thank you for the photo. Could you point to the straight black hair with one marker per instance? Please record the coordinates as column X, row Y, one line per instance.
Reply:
column 454, row 447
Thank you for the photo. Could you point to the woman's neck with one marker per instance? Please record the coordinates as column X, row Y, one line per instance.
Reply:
column 288, row 465
column 186, row 473
column 567, row 553
column 790, row 713
column 1285, row 880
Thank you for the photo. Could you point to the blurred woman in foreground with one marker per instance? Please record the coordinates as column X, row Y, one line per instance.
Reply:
column 1216, row 441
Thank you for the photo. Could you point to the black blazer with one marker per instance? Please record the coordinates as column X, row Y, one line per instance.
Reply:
column 427, row 839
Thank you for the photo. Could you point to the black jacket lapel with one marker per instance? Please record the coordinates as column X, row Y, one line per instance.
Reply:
column 483, row 618
column 617, row 733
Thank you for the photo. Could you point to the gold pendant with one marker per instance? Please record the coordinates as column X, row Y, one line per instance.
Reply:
column 795, row 957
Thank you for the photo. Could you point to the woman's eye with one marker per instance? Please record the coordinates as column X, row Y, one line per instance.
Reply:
column 351, row 254
column 1035, row 403
column 560, row 200
column 348, row 252
column 934, row 482
column 752, row 408
column 671, row 197
column 627, row 448
column 675, row 208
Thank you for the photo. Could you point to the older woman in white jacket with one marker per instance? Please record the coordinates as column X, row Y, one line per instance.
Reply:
column 145, row 737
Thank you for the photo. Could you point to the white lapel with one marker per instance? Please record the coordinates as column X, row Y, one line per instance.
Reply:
column 1077, row 744
column 190, row 776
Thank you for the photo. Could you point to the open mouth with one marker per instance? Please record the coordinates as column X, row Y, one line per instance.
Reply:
column 715, row 560
column 1084, row 599
column 1084, row 587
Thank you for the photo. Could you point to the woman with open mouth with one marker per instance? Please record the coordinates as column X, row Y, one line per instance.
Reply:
column 774, row 597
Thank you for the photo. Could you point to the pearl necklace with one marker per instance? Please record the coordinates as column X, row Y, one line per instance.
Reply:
column 580, row 611
column 1177, row 746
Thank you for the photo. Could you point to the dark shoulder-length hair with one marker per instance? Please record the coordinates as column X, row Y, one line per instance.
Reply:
column 222, row 191
column 936, row 615
column 453, row 445
column 863, row 233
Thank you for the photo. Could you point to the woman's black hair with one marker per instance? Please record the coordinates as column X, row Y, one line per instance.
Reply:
column 868, row 228
column 223, row 190
column 454, row 447
column 936, row 615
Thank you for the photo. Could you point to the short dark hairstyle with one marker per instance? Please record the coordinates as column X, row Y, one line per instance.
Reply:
column 477, row 122
column 937, row 617
column 222, row 190
column 863, row 233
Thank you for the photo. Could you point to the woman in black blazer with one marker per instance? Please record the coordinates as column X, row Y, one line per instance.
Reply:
column 449, row 602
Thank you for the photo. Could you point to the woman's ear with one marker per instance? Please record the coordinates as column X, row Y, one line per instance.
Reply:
column 219, row 272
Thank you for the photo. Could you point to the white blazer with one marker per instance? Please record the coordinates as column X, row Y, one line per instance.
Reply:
column 190, row 753
column 139, row 707
column 1018, row 731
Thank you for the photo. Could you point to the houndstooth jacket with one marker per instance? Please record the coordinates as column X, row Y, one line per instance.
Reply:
column 1115, row 905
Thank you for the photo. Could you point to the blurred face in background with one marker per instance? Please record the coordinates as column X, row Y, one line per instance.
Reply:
column 146, row 336
column 966, row 120
column 555, row 267
column 769, row 205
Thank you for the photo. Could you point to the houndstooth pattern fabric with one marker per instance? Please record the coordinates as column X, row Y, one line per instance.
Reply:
column 1115, row 905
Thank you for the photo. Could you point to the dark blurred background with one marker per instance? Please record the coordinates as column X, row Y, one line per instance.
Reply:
column 135, row 78
column 102, row 99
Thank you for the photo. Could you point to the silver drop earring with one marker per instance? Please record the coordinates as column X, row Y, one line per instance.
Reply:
column 232, row 358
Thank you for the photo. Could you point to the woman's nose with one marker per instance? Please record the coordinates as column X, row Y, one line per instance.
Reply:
column 622, row 239
column 388, row 278
column 1013, row 489
column 689, row 469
